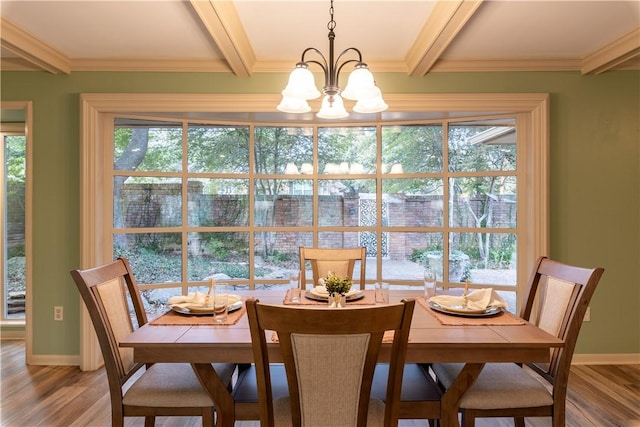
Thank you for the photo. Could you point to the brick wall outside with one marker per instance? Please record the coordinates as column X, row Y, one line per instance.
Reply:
column 158, row 205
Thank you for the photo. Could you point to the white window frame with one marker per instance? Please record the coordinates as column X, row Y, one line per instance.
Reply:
column 98, row 110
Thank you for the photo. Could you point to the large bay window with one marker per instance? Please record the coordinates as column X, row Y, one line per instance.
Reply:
column 461, row 188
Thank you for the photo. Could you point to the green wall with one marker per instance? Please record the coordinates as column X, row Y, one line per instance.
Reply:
column 594, row 176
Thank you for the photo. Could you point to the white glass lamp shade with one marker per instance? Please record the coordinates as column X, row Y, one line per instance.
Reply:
column 293, row 105
column 301, row 84
column 360, row 85
column 332, row 108
column 371, row 105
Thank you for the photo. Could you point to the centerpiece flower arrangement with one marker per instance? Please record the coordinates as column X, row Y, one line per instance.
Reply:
column 337, row 287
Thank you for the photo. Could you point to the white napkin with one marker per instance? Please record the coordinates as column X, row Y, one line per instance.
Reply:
column 479, row 299
column 198, row 300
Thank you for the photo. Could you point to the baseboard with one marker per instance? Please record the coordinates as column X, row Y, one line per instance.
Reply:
column 606, row 359
column 54, row 360
column 15, row 334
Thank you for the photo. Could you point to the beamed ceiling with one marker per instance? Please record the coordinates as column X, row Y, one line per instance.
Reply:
column 245, row 37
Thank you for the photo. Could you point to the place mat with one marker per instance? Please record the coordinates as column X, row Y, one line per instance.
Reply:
column 173, row 318
column 368, row 299
column 503, row 319
column 386, row 338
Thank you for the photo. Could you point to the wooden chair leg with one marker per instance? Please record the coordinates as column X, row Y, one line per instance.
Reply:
column 149, row 421
column 207, row 417
column 468, row 419
column 518, row 421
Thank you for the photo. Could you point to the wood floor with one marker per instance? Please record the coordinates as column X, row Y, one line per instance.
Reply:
column 599, row 396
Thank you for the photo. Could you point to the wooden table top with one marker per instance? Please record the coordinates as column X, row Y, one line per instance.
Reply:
column 429, row 340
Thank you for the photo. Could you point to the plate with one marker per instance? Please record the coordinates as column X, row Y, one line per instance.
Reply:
column 205, row 311
column 463, row 311
column 321, row 296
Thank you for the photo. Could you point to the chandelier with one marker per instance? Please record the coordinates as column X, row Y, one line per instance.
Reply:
column 360, row 86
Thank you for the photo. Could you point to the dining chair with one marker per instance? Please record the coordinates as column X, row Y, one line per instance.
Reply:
column 557, row 298
column 420, row 395
column 329, row 357
column 136, row 389
column 339, row 261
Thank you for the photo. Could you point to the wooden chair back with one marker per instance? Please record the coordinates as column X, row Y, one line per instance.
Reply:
column 106, row 291
column 170, row 389
column 330, row 356
column 339, row 261
column 557, row 299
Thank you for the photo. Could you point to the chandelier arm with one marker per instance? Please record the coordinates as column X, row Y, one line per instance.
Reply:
column 324, row 64
column 338, row 67
column 347, row 50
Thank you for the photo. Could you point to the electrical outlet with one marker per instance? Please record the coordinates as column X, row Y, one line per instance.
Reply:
column 58, row 312
column 587, row 315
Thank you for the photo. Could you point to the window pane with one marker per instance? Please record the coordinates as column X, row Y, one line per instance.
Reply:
column 277, row 253
column 409, row 253
column 14, row 265
column 218, row 149
column 511, row 300
column 223, row 255
column 147, row 146
column 154, row 257
column 413, row 202
column 412, row 149
column 276, row 207
column 146, row 202
column 482, row 147
column 347, row 203
column 347, row 150
column 485, row 258
column 218, row 202
column 483, row 201
column 277, row 147
column 154, row 301
column 464, row 170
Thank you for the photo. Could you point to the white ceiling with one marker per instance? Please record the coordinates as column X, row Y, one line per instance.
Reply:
column 252, row 36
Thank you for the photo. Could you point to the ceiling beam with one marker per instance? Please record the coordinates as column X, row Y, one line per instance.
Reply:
column 221, row 20
column 31, row 49
column 613, row 54
column 443, row 25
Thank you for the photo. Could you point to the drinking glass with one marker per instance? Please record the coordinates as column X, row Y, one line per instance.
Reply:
column 429, row 283
column 294, row 286
column 382, row 293
column 220, row 302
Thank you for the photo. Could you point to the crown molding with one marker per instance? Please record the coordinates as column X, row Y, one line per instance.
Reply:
column 473, row 65
column 220, row 66
column 31, row 49
column 614, row 54
column 151, row 65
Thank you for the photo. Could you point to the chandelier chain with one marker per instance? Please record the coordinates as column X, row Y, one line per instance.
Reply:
column 331, row 25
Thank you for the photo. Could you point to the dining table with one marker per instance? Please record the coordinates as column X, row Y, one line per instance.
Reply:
column 434, row 338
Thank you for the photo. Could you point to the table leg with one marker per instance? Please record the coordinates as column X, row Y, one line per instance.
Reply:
column 449, row 404
column 222, row 399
